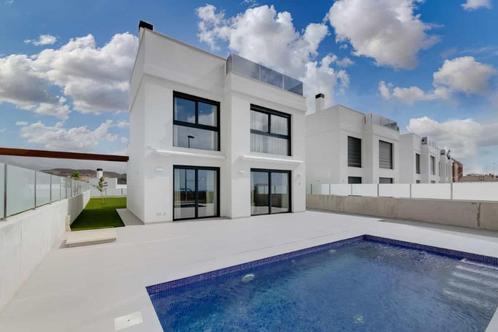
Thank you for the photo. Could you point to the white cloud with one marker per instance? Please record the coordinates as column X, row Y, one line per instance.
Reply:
column 42, row 40
column 464, row 74
column 460, row 75
column 386, row 30
column 268, row 37
column 123, row 124
column 476, row 4
column 93, row 79
column 463, row 137
column 60, row 138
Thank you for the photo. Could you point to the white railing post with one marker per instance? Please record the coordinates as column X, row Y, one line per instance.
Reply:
column 378, row 189
column 5, row 191
column 330, row 189
column 411, row 195
column 451, row 190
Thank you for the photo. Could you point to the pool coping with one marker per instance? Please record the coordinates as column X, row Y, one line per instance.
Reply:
column 230, row 270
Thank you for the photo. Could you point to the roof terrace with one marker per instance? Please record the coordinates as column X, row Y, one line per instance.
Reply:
column 247, row 68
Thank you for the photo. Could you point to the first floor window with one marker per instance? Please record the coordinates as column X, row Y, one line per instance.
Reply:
column 385, row 155
column 354, row 179
column 354, row 152
column 433, row 165
column 270, row 191
column 195, row 193
column 417, row 163
column 195, row 122
column 386, row 180
column 270, row 131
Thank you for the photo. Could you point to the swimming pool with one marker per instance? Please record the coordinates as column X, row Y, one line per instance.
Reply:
column 360, row 284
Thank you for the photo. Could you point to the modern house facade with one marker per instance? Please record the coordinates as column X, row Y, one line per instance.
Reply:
column 211, row 136
column 423, row 161
column 347, row 146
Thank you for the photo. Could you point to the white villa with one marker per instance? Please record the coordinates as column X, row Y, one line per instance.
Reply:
column 347, row 146
column 211, row 136
column 422, row 161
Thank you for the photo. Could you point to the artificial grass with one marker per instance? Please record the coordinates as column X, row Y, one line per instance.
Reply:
column 100, row 213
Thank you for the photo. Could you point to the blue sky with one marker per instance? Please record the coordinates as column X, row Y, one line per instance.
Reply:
column 436, row 62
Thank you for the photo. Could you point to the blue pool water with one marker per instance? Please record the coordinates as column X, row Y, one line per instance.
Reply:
column 361, row 286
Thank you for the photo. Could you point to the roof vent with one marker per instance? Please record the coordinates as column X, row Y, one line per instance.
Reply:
column 145, row 25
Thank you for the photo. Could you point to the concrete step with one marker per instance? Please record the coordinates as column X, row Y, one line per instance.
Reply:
column 90, row 237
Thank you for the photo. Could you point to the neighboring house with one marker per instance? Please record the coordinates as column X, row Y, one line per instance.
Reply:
column 422, row 161
column 211, row 136
column 347, row 146
column 457, row 171
column 111, row 185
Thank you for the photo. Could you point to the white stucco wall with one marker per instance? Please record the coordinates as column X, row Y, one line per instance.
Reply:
column 165, row 65
column 26, row 238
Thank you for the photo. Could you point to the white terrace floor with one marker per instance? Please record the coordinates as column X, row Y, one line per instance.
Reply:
column 86, row 288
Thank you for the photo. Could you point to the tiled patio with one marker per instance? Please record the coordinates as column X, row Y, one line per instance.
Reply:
column 86, row 288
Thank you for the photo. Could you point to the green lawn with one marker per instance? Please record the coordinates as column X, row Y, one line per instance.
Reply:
column 100, row 213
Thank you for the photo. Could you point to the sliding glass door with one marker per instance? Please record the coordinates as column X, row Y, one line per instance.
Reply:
column 195, row 192
column 270, row 191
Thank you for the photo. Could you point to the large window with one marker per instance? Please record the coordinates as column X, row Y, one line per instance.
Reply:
column 195, row 193
column 195, row 122
column 385, row 155
column 433, row 165
column 354, row 152
column 270, row 131
column 417, row 163
column 270, row 191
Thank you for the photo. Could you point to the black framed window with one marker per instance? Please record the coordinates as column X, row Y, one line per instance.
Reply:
column 195, row 192
column 417, row 163
column 270, row 191
column 354, row 152
column 354, row 179
column 196, row 122
column 386, row 180
column 385, row 155
column 433, row 165
column 270, row 131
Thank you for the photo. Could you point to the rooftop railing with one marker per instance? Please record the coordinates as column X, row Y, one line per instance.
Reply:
column 383, row 121
column 247, row 68
column 23, row 189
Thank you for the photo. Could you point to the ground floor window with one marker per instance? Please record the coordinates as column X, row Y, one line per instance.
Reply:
column 386, row 180
column 195, row 192
column 354, row 179
column 270, row 191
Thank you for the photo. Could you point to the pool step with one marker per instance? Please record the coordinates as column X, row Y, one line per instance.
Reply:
column 487, row 273
column 470, row 300
column 471, row 290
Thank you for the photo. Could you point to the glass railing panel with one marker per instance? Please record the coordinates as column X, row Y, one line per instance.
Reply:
column 272, row 77
column 42, row 188
column 20, row 189
column 293, row 85
column 56, row 188
column 2, row 190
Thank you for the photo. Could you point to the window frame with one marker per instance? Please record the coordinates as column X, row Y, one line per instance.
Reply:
column 196, row 169
column 391, row 155
column 269, row 173
column 433, row 165
column 361, row 159
column 270, row 112
column 350, row 178
column 391, row 180
column 197, row 125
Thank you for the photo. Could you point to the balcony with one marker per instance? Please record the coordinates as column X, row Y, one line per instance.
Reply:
column 246, row 68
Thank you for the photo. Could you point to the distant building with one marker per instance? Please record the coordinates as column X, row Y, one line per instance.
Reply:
column 457, row 171
column 479, row 178
column 347, row 146
column 422, row 161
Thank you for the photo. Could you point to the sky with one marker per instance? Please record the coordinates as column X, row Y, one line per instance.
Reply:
column 430, row 65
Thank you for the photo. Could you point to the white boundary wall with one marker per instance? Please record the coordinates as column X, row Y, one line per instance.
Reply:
column 474, row 191
column 27, row 237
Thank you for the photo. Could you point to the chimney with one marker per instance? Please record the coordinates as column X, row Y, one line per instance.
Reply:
column 319, row 101
column 145, row 25
column 100, row 173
